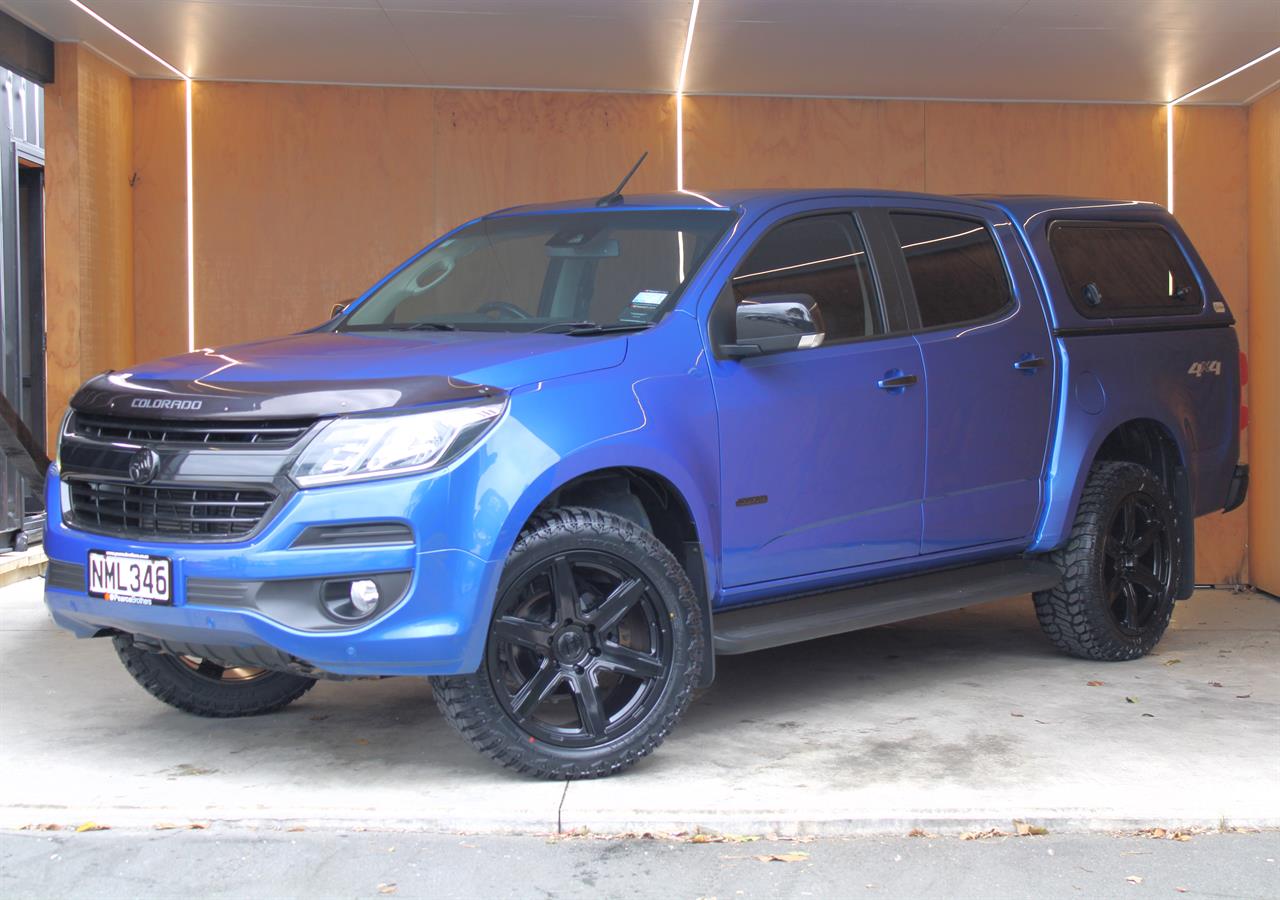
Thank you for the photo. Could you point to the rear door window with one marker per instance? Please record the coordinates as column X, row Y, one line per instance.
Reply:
column 956, row 271
column 1117, row 269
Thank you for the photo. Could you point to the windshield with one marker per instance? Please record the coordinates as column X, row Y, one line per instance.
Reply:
column 569, row 272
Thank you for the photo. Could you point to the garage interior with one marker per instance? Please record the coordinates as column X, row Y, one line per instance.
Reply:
column 216, row 172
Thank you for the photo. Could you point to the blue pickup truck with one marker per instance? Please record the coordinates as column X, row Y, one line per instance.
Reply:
column 567, row 454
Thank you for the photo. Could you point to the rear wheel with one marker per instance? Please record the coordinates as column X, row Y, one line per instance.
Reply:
column 592, row 655
column 1119, row 567
column 204, row 687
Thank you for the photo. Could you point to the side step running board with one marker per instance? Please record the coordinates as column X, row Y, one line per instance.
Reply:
column 849, row 609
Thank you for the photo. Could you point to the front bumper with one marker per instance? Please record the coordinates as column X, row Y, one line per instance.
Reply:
column 436, row 628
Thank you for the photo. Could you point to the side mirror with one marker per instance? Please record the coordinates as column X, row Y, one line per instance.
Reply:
column 774, row 323
column 339, row 308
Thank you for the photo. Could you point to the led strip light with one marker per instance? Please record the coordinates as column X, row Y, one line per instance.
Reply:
column 684, row 70
column 191, row 226
column 1185, row 97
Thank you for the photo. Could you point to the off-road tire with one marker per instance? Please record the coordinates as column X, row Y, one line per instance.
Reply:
column 1075, row 614
column 169, row 679
column 470, row 702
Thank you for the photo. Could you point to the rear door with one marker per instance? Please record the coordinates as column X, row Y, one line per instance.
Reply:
column 989, row 372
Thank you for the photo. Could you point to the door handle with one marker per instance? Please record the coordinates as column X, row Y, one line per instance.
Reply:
column 1029, row 364
column 892, row 382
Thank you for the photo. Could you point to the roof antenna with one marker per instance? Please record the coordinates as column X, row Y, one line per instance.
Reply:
column 615, row 197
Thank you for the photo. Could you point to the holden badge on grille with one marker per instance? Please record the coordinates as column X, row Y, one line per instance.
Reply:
column 143, row 465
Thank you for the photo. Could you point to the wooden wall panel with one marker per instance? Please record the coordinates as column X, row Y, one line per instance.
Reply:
column 62, row 234
column 106, row 214
column 1211, row 200
column 89, row 222
column 159, row 218
column 304, row 196
column 1264, row 360
column 1051, row 148
column 503, row 148
column 789, row 142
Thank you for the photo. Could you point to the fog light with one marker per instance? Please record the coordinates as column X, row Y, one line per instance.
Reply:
column 364, row 596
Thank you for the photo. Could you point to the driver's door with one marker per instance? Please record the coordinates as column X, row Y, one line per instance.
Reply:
column 822, row 449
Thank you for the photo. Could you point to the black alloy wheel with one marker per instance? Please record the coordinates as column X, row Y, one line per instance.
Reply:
column 594, row 648
column 1120, row 566
column 1137, row 565
column 579, row 648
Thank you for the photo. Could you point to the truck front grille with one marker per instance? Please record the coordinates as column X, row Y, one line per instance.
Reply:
column 274, row 433
column 147, row 511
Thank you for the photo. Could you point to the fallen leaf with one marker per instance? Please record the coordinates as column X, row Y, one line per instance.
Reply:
column 702, row 839
column 196, row 826
column 1016, row 715
column 44, row 826
column 983, row 835
column 795, row 856
column 362, row 741
column 1171, row 662
column 1096, row 683
column 1215, row 684
column 1147, row 716
column 1134, row 879
column 920, row 833
column 387, row 888
column 1025, row 830
column 296, row 828
column 1180, row 890
column 91, row 826
column 1130, row 699
column 1243, row 696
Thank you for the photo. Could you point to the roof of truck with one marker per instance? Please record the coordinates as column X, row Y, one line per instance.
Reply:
column 1018, row 206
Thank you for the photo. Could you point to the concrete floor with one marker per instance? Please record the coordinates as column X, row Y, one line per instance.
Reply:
column 957, row 722
column 318, row 865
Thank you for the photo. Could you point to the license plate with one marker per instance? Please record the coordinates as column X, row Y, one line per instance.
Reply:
column 130, row 578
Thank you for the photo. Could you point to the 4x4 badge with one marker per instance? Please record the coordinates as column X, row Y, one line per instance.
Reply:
column 143, row 465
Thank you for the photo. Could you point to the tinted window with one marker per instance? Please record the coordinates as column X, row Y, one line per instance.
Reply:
column 955, row 269
column 547, row 271
column 820, row 261
column 1124, row 270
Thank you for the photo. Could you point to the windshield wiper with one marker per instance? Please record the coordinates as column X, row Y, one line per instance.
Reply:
column 582, row 329
column 404, row 326
column 420, row 326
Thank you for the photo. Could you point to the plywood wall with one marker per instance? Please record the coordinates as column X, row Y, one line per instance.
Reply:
column 1211, row 200
column 1264, row 361
column 159, row 218
column 89, row 222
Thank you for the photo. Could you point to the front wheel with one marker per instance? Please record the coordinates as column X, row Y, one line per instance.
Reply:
column 206, row 688
column 593, row 651
column 1119, row 567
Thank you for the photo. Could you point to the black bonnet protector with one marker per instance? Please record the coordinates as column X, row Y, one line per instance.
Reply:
column 117, row 394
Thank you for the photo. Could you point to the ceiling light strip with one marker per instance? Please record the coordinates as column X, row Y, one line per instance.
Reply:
column 1168, row 128
column 684, row 70
column 191, row 241
column 1204, row 87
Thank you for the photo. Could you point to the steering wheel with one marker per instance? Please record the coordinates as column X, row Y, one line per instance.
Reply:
column 502, row 309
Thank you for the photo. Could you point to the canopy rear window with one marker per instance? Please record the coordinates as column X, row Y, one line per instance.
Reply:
column 1117, row 269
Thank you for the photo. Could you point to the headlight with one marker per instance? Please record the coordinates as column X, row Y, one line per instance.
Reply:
column 360, row 447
